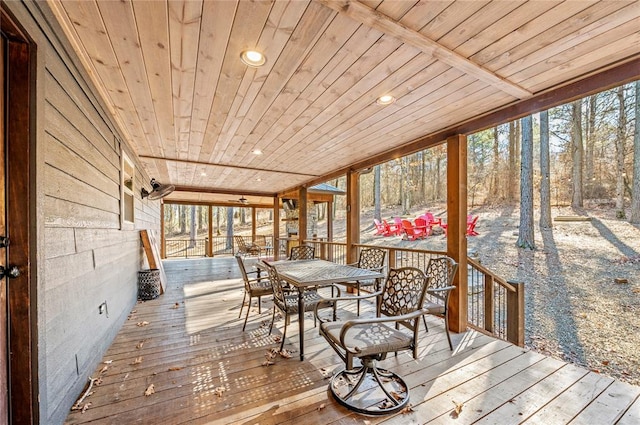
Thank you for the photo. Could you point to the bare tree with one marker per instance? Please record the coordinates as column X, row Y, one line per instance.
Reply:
column 590, row 144
column 620, row 136
column 634, row 217
column 376, row 193
column 494, row 190
column 526, row 237
column 576, row 154
column 192, row 227
column 229, row 228
column 545, row 181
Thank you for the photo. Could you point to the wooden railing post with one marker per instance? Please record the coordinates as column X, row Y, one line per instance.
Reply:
column 515, row 314
column 276, row 228
column 489, row 303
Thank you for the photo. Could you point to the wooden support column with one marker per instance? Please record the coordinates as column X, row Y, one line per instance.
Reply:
column 210, row 240
column 353, row 215
column 328, row 247
column 253, row 224
column 163, row 243
column 302, row 215
column 457, row 227
column 276, row 228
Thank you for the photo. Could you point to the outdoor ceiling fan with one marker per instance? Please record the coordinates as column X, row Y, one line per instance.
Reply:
column 242, row 200
column 158, row 190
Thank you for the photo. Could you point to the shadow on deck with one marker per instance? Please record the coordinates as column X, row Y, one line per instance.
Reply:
column 204, row 369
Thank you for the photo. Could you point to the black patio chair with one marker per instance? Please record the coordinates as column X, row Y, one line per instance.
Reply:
column 371, row 339
column 253, row 287
column 302, row 252
column 371, row 259
column 286, row 300
column 440, row 272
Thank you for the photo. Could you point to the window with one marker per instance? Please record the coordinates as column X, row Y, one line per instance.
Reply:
column 128, row 178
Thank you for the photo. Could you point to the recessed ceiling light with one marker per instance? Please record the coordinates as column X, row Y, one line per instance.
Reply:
column 386, row 99
column 258, row 179
column 253, row 58
column 256, row 152
column 203, row 174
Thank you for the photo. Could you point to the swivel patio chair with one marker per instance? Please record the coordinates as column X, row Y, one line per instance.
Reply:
column 370, row 259
column 246, row 248
column 286, row 300
column 440, row 272
column 367, row 388
column 253, row 287
column 302, row 252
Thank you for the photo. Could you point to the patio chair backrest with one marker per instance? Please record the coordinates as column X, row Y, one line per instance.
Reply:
column 403, row 291
column 243, row 271
column 302, row 252
column 440, row 272
column 371, row 258
column 278, row 289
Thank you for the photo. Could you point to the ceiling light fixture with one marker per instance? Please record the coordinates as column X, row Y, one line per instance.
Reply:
column 256, row 152
column 253, row 58
column 386, row 99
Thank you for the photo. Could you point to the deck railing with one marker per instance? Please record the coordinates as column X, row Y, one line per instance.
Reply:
column 495, row 305
column 185, row 248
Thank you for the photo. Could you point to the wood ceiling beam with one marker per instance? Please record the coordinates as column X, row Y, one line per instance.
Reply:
column 219, row 204
column 374, row 19
column 214, row 190
column 238, row 167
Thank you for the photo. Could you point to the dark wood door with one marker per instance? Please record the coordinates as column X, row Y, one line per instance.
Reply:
column 18, row 390
column 4, row 336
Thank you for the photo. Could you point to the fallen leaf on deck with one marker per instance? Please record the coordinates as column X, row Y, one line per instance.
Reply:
column 322, row 406
column 397, row 396
column 134, row 311
column 176, row 305
column 139, row 345
column 141, row 324
column 138, row 360
column 108, row 361
column 171, row 369
column 103, row 370
column 456, row 410
column 408, row 409
column 150, row 390
column 277, row 339
column 267, row 363
column 385, row 404
column 285, row 354
column 218, row 391
column 85, row 407
column 605, row 362
column 366, row 422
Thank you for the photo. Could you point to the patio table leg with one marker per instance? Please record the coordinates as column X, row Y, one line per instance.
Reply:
column 301, row 321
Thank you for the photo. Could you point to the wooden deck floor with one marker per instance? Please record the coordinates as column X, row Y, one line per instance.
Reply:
column 204, row 369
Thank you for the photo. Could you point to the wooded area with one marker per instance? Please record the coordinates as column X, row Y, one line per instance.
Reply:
column 584, row 151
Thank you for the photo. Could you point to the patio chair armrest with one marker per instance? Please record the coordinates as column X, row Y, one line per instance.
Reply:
column 334, row 301
column 392, row 319
column 352, row 264
column 443, row 289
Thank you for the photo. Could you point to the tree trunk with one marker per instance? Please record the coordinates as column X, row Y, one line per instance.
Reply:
column 634, row 217
column 377, row 214
column 576, row 154
column 183, row 219
column 192, row 227
column 545, row 180
column 436, row 191
column 218, row 211
column 620, row 136
column 229, row 228
column 511, row 188
column 495, row 169
column 590, row 143
column 525, row 233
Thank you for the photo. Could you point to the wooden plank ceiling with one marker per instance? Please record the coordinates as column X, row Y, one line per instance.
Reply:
column 171, row 74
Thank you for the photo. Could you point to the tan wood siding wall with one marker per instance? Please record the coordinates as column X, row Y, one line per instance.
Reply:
column 87, row 258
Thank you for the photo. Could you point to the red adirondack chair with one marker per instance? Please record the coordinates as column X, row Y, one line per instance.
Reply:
column 423, row 225
column 391, row 229
column 471, row 226
column 380, row 229
column 434, row 221
column 411, row 232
